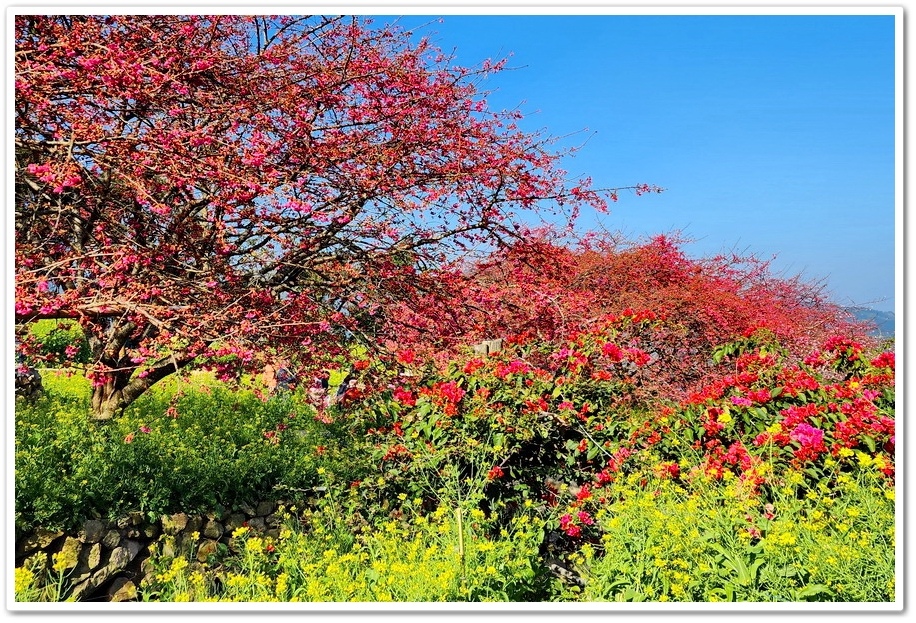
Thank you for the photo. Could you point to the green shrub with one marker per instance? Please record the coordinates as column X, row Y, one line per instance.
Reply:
column 199, row 448
column 59, row 340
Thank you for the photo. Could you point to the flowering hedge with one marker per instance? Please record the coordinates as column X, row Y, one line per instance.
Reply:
column 559, row 424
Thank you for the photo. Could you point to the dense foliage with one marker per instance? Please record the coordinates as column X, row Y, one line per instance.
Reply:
column 196, row 446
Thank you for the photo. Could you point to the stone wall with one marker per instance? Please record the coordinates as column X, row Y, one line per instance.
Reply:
column 108, row 561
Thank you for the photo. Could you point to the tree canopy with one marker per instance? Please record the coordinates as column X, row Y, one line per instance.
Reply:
column 194, row 190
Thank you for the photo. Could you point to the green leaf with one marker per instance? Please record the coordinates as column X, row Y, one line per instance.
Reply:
column 870, row 442
column 812, row 590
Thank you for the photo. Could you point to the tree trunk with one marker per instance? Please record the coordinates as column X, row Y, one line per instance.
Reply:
column 120, row 389
column 108, row 398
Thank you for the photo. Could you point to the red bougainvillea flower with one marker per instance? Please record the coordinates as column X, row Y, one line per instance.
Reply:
column 404, row 397
column 884, row 360
column 406, row 357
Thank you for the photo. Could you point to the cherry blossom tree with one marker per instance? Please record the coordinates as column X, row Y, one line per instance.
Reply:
column 196, row 190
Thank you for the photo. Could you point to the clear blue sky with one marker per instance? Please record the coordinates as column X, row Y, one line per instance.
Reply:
column 773, row 135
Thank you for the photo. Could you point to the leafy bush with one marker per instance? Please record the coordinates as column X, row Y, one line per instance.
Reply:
column 193, row 449
column 55, row 341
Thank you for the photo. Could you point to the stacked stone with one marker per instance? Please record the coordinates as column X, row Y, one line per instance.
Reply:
column 107, row 561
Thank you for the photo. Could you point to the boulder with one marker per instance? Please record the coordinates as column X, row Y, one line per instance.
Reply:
column 70, row 553
column 92, row 556
column 194, row 524
column 235, row 521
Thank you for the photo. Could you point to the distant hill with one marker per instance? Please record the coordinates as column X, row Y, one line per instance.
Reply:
column 883, row 321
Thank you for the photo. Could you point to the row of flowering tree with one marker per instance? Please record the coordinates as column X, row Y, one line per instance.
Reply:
column 196, row 190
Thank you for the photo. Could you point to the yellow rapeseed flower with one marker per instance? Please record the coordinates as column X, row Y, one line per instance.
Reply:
column 254, row 545
column 64, row 559
column 25, row 579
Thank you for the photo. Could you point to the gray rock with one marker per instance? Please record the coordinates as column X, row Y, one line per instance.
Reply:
column 173, row 524
column 170, row 547
column 265, row 508
column 40, row 539
column 82, row 588
column 122, row 589
column 150, row 530
column 235, row 521
column 147, row 567
column 93, row 531
column 133, row 548
column 112, row 539
column 247, row 509
column 257, row 524
column 117, row 562
column 213, row 529
column 92, row 556
column 71, row 552
column 194, row 524
column 119, row 559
